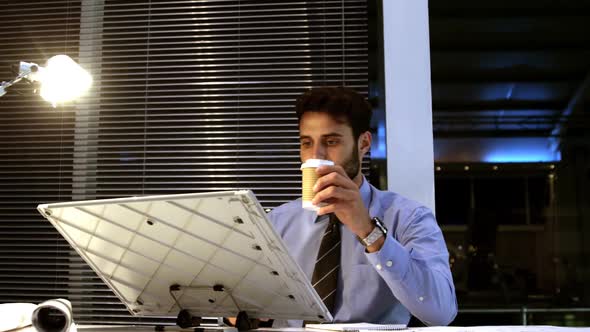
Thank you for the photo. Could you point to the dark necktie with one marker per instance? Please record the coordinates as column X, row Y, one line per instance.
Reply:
column 325, row 273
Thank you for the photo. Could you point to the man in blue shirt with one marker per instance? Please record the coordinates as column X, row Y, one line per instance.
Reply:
column 394, row 261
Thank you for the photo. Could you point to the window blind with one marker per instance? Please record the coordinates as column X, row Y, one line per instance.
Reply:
column 188, row 96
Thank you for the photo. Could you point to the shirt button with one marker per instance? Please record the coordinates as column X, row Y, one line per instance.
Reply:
column 421, row 298
column 379, row 267
column 389, row 263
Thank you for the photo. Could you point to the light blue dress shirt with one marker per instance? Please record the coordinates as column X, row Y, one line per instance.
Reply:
column 410, row 274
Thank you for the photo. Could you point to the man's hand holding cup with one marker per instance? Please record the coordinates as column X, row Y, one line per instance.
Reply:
column 328, row 189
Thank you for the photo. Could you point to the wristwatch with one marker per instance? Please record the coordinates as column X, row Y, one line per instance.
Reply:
column 376, row 233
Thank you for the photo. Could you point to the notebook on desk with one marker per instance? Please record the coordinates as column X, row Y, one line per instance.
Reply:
column 356, row 327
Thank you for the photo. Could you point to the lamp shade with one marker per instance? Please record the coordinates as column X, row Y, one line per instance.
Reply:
column 63, row 80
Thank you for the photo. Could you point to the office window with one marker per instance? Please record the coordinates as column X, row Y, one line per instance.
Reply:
column 187, row 97
column 453, row 200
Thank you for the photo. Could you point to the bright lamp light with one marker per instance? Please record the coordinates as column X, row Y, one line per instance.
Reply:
column 61, row 80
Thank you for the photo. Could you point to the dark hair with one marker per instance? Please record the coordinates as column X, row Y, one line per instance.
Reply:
column 342, row 103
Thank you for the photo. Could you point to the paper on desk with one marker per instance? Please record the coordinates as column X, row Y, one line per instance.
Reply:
column 516, row 328
column 15, row 315
column 354, row 327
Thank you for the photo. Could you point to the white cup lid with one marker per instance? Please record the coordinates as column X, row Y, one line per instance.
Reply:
column 316, row 163
column 307, row 205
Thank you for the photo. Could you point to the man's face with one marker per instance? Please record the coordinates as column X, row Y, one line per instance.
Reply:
column 322, row 137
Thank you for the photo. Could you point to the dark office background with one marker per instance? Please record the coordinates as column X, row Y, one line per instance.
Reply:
column 510, row 85
column 195, row 96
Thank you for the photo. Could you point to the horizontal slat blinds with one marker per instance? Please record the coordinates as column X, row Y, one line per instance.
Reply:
column 200, row 96
column 36, row 161
column 188, row 96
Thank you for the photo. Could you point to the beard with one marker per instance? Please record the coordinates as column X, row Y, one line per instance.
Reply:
column 352, row 165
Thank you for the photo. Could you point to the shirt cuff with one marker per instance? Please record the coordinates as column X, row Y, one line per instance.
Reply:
column 392, row 259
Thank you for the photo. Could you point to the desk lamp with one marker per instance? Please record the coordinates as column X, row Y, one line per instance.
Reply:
column 61, row 80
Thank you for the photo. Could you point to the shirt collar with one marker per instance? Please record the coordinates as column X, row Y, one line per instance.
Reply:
column 365, row 190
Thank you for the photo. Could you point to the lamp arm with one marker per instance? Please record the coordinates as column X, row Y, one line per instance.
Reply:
column 26, row 69
column 6, row 84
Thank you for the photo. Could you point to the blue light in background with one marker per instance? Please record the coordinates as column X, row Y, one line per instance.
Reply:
column 496, row 150
column 379, row 146
column 522, row 155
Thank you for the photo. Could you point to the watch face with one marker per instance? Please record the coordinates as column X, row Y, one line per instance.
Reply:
column 379, row 231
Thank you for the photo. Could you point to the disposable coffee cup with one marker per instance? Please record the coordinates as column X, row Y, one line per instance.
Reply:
column 309, row 178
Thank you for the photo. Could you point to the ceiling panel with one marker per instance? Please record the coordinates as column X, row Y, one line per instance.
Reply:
column 509, row 68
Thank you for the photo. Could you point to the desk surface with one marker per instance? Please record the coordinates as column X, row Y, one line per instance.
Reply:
column 528, row 328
